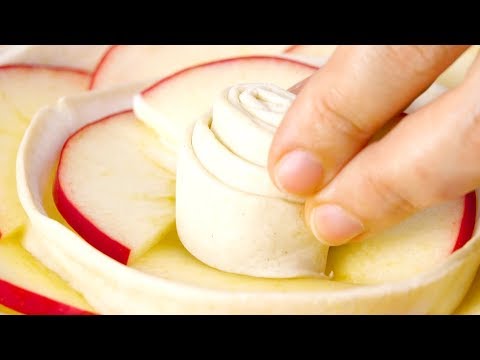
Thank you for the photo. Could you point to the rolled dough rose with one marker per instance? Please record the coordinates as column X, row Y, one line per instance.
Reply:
column 229, row 213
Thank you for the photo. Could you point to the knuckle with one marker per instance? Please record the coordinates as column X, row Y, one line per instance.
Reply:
column 333, row 110
column 472, row 132
column 469, row 113
column 416, row 59
column 426, row 178
column 389, row 194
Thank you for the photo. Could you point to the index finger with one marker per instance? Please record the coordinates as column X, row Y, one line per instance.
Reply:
column 342, row 105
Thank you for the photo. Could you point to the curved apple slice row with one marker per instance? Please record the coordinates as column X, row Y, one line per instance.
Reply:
column 23, row 90
column 112, row 189
column 126, row 63
column 178, row 283
column 173, row 103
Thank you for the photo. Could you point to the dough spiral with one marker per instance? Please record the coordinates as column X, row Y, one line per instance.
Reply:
column 229, row 213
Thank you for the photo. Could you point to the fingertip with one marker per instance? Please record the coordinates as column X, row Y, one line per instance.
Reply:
column 299, row 172
column 295, row 89
column 333, row 225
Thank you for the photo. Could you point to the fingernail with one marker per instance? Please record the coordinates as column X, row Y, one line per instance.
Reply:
column 299, row 172
column 334, row 225
column 295, row 89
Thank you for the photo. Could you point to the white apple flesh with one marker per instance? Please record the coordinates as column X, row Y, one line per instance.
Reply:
column 112, row 188
column 23, row 90
column 26, row 286
column 127, row 63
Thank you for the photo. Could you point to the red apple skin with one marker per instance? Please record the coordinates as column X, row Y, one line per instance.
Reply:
column 49, row 67
column 119, row 252
column 113, row 48
column 467, row 225
column 291, row 48
column 30, row 303
column 14, row 297
column 105, row 56
column 81, row 224
column 230, row 60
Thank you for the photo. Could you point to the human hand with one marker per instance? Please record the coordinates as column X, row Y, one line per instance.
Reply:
column 353, row 190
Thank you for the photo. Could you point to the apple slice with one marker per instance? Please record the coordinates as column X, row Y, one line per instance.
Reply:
column 167, row 279
column 173, row 103
column 82, row 57
column 23, row 90
column 414, row 246
column 112, row 189
column 126, row 63
column 28, row 287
